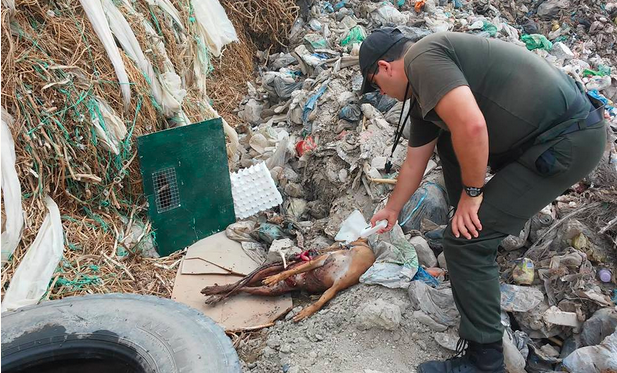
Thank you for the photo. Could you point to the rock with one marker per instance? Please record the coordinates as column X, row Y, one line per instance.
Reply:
column 549, row 350
column 549, row 9
column 268, row 351
column 294, row 190
column 599, row 326
column 252, row 111
column 378, row 314
column 428, row 321
column 447, row 339
column 442, row 261
column 379, row 162
column 426, row 257
column 562, row 51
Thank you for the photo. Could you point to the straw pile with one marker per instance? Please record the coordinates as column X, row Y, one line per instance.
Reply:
column 54, row 67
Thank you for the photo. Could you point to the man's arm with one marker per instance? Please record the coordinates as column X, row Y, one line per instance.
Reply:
column 409, row 179
column 459, row 110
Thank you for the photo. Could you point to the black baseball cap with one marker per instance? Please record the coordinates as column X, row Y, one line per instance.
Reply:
column 375, row 46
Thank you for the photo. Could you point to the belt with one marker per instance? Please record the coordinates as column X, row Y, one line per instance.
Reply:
column 596, row 114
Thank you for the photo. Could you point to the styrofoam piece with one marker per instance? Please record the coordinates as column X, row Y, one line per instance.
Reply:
column 253, row 190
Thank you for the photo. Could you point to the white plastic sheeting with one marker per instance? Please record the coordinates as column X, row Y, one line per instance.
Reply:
column 31, row 279
column 11, row 192
column 169, row 8
column 167, row 92
column 213, row 24
column 94, row 11
column 110, row 129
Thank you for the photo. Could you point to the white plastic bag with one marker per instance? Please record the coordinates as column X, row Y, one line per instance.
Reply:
column 594, row 359
column 169, row 102
column 214, row 25
column 112, row 131
column 31, row 279
column 94, row 11
column 11, row 193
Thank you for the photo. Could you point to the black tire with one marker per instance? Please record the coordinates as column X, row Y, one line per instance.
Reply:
column 116, row 332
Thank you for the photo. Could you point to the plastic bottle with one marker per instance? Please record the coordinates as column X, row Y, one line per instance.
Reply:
column 605, row 275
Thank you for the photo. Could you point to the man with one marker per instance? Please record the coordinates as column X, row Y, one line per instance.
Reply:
column 482, row 102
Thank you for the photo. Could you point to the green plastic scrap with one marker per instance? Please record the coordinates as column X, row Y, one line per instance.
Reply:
column 355, row 35
column 537, row 41
column 490, row 28
column 602, row 71
column 316, row 41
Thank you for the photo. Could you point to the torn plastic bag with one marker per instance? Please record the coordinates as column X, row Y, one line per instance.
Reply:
column 354, row 36
column 519, row 298
column 11, row 192
column 381, row 102
column 284, row 85
column 96, row 15
column 351, row 113
column 213, row 25
column 438, row 302
column 241, row 231
column 388, row 15
column 594, row 359
column 31, row 279
column 396, row 261
column 428, row 202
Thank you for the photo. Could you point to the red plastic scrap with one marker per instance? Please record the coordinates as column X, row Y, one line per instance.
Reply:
column 305, row 145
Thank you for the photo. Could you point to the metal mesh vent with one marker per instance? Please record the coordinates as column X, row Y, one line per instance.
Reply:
column 166, row 189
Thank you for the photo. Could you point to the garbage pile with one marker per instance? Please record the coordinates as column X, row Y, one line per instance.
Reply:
column 326, row 147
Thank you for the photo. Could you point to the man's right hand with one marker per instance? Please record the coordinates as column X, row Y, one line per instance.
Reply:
column 385, row 214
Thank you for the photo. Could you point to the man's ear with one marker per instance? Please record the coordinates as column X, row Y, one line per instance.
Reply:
column 384, row 66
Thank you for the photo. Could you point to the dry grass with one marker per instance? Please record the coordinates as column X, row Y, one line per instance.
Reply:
column 53, row 64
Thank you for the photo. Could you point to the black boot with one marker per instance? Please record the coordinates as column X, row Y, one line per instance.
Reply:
column 478, row 358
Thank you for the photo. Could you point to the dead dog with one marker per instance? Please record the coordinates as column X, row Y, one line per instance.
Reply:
column 329, row 273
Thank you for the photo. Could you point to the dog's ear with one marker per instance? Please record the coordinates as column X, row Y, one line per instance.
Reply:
column 361, row 241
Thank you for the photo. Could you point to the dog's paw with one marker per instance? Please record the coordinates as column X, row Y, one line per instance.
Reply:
column 303, row 314
column 271, row 280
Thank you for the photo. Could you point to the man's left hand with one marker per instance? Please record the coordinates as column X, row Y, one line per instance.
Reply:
column 466, row 221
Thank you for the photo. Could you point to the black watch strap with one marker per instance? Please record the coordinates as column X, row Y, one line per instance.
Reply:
column 473, row 191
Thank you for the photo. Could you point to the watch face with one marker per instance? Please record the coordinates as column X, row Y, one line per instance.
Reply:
column 473, row 192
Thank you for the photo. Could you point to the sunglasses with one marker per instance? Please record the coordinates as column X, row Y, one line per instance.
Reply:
column 372, row 81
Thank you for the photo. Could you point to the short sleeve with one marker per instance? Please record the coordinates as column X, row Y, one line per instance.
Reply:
column 433, row 73
column 421, row 132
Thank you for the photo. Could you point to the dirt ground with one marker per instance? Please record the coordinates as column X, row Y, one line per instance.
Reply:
column 366, row 328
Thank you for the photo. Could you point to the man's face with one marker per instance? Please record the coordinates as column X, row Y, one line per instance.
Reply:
column 388, row 81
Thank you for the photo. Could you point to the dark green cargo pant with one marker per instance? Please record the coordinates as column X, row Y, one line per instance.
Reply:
column 511, row 197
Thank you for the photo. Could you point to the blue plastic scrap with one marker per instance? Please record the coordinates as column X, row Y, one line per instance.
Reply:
column 425, row 277
column 310, row 104
column 340, row 4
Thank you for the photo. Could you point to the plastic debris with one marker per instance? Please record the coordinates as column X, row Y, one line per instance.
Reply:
column 253, row 190
column 438, row 302
column 31, row 279
column 355, row 35
column 396, row 261
column 428, row 202
column 524, row 272
column 536, row 41
column 594, row 359
column 11, row 193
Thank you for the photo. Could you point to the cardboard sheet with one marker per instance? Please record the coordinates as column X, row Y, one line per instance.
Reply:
column 203, row 266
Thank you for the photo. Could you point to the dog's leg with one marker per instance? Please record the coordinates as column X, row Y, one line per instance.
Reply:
column 273, row 290
column 325, row 297
column 251, row 279
column 304, row 267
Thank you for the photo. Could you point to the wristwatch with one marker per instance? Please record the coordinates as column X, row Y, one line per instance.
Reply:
column 473, row 191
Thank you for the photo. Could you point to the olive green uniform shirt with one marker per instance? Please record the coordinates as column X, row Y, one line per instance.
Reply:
column 519, row 93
